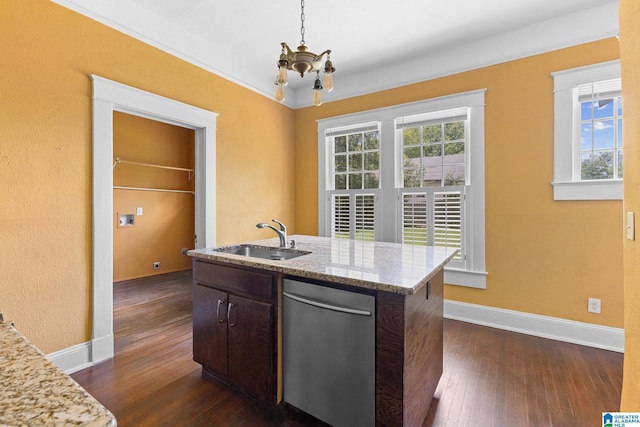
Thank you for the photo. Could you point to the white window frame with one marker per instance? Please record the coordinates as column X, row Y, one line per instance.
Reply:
column 352, row 193
column 474, row 275
column 567, row 184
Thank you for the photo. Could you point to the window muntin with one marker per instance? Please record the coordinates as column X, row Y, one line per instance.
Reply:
column 356, row 160
column 600, row 127
column 434, row 155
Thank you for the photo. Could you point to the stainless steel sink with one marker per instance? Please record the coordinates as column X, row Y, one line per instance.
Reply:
column 264, row 252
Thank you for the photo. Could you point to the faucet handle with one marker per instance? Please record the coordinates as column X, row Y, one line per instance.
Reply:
column 282, row 226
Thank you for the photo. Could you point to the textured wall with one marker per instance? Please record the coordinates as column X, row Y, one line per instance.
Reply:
column 46, row 57
column 630, row 58
column 543, row 256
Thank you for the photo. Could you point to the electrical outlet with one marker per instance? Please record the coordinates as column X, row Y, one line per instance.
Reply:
column 156, row 266
column 594, row 305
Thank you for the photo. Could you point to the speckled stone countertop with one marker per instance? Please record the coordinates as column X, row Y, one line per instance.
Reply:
column 34, row 392
column 389, row 267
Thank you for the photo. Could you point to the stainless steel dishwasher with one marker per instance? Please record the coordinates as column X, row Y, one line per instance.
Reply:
column 329, row 353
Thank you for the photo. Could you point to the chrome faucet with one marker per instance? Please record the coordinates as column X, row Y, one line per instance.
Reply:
column 282, row 233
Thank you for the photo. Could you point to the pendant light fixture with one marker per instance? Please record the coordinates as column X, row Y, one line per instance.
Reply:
column 302, row 61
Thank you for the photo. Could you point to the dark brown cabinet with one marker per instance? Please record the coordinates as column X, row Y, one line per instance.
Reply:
column 233, row 326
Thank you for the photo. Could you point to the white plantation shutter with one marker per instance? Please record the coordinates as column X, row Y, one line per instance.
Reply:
column 353, row 216
column 447, row 220
column 340, row 215
column 414, row 218
column 434, row 218
column 365, row 217
column 600, row 90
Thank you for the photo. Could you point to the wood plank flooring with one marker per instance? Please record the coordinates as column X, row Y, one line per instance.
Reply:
column 491, row 377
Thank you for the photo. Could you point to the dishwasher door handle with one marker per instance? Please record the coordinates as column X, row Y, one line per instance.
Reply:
column 327, row 306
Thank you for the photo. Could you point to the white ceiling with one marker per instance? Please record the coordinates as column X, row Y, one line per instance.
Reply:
column 376, row 44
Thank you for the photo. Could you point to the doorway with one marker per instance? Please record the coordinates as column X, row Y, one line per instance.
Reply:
column 153, row 198
column 109, row 97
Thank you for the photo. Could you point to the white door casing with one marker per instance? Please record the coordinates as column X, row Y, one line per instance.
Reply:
column 109, row 96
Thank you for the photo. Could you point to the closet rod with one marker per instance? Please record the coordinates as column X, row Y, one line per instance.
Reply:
column 119, row 160
column 163, row 190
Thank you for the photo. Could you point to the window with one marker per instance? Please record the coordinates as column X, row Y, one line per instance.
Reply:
column 600, row 130
column 588, row 148
column 355, row 176
column 433, row 148
column 412, row 173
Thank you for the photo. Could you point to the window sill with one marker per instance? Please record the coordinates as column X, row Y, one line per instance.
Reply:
column 471, row 279
column 588, row 190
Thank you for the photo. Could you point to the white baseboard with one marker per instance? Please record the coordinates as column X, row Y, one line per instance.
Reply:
column 75, row 358
column 72, row 359
column 587, row 334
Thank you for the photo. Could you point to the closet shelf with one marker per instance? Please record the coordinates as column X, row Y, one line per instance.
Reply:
column 119, row 160
column 163, row 190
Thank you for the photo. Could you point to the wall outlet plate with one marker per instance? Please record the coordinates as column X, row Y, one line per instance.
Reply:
column 594, row 305
column 156, row 265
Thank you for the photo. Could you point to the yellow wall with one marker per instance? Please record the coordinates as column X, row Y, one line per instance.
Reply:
column 167, row 222
column 630, row 57
column 543, row 256
column 46, row 56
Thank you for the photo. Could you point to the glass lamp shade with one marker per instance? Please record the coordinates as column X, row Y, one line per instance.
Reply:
column 328, row 81
column 317, row 97
column 282, row 79
column 279, row 93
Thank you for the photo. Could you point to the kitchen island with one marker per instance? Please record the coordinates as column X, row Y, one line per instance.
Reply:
column 406, row 282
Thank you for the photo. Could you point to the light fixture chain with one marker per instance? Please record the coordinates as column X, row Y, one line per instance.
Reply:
column 302, row 22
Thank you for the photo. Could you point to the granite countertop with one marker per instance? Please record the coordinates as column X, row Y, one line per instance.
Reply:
column 390, row 267
column 34, row 392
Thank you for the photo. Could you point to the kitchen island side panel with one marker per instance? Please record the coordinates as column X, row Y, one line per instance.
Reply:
column 409, row 354
column 423, row 358
column 389, row 359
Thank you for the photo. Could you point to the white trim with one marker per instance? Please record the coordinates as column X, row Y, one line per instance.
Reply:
column 566, row 180
column 574, row 77
column 571, row 331
column 109, row 96
column 468, row 278
column 588, row 190
column 72, row 359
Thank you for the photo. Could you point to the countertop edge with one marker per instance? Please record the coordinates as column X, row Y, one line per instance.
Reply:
column 36, row 392
column 284, row 267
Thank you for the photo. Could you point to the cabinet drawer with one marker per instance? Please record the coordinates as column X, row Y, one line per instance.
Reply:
column 234, row 279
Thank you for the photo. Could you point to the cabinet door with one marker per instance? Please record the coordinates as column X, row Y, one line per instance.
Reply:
column 251, row 345
column 210, row 328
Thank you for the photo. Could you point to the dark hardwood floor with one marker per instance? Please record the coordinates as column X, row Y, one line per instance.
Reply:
column 491, row 377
